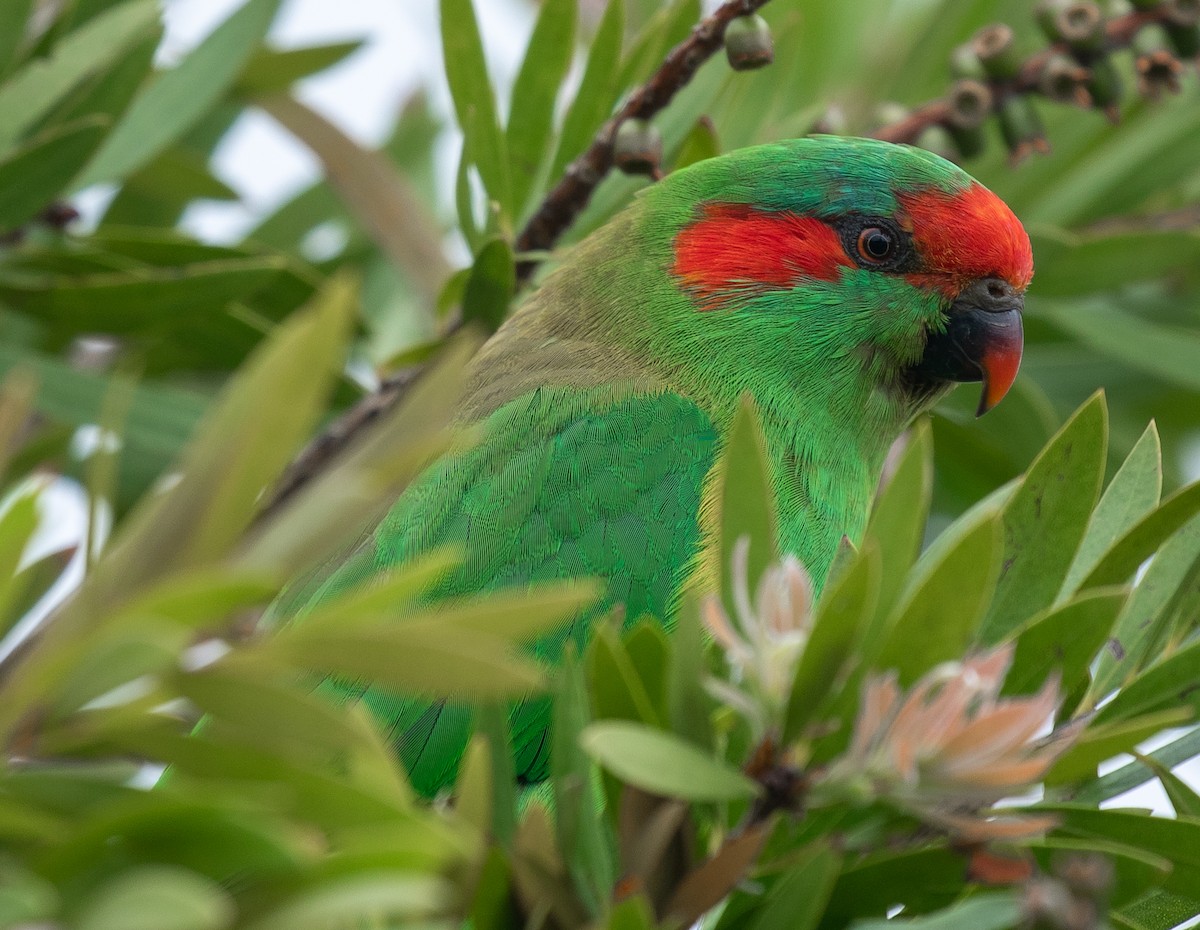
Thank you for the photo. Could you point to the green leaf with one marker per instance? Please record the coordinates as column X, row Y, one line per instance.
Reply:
column 1069, row 265
column 580, row 832
column 1149, row 612
column 1064, row 638
column 922, row 880
column 18, row 522
column 617, row 689
column 179, row 98
column 32, row 92
column 158, row 898
column 699, row 144
column 428, row 661
column 1177, row 841
column 797, row 898
column 983, row 912
column 467, row 75
column 361, row 899
column 662, row 763
column 747, row 500
column 493, row 724
column 1099, row 323
column 1133, row 492
column 32, row 175
column 939, row 614
column 1159, row 910
column 1137, row 871
column 688, row 704
column 597, row 90
column 842, row 613
column 273, row 70
column 1045, row 519
column 1129, row 776
column 1182, row 796
column 543, row 70
column 1169, row 682
column 897, row 522
column 13, row 17
column 1104, row 741
column 1143, row 539
column 491, row 285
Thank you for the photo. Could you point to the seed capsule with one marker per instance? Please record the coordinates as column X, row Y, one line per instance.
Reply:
column 748, row 43
column 638, row 148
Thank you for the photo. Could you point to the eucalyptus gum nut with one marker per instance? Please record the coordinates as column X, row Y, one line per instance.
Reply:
column 1062, row 79
column 970, row 103
column 965, row 63
column 1104, row 84
column 749, row 43
column 1021, row 128
column 968, row 140
column 996, row 48
column 638, row 147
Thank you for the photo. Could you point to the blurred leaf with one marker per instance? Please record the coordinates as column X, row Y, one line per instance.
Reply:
column 1064, row 638
column 271, row 70
column 374, row 193
column 580, row 831
column 1136, row 871
column 841, row 614
column 1142, row 539
column 493, row 724
column 1177, row 841
column 1104, row 741
column 921, row 879
column 380, row 896
column 939, row 614
column 1069, row 265
column 180, row 97
column 158, row 898
column 597, row 90
column 1183, row 798
column 32, row 175
column 1150, row 608
column 746, row 501
column 797, row 898
column 898, row 517
column 1167, row 352
column 158, row 193
column 18, row 522
column 617, row 689
column 467, row 75
column 1045, row 519
column 662, row 763
column 490, row 286
column 983, row 912
column 547, row 58
column 29, row 94
column 688, row 704
column 1170, row 682
column 30, row 585
column 699, row 144
column 1133, row 492
column 13, row 17
column 1129, row 776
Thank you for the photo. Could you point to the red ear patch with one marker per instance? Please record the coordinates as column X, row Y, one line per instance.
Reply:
column 969, row 235
column 734, row 250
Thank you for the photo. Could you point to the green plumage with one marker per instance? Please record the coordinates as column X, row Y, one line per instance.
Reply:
column 606, row 396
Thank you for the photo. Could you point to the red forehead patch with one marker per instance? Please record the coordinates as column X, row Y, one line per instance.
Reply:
column 734, row 250
column 969, row 235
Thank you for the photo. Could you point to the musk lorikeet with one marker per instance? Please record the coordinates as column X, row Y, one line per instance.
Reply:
column 842, row 283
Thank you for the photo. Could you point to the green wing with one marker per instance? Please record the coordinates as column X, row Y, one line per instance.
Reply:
column 566, row 483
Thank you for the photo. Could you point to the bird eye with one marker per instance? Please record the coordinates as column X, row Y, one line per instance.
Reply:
column 876, row 245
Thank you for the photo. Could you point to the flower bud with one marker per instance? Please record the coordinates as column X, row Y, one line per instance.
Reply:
column 748, row 43
column 638, row 148
column 969, row 105
column 1158, row 69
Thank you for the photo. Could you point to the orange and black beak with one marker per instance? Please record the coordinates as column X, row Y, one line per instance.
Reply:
column 982, row 340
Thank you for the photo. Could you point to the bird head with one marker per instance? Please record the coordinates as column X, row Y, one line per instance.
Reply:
column 852, row 258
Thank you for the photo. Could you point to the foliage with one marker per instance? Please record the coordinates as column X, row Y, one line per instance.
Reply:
column 683, row 787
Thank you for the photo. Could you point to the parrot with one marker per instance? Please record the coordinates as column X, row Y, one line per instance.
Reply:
column 843, row 284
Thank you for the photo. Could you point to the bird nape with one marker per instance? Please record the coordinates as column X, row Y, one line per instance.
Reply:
column 844, row 284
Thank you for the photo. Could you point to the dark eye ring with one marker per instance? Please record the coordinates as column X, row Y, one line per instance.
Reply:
column 876, row 245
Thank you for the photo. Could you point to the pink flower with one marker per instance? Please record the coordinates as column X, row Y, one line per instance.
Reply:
column 764, row 642
column 952, row 746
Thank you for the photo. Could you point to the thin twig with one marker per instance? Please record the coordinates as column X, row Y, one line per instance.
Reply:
column 566, row 200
